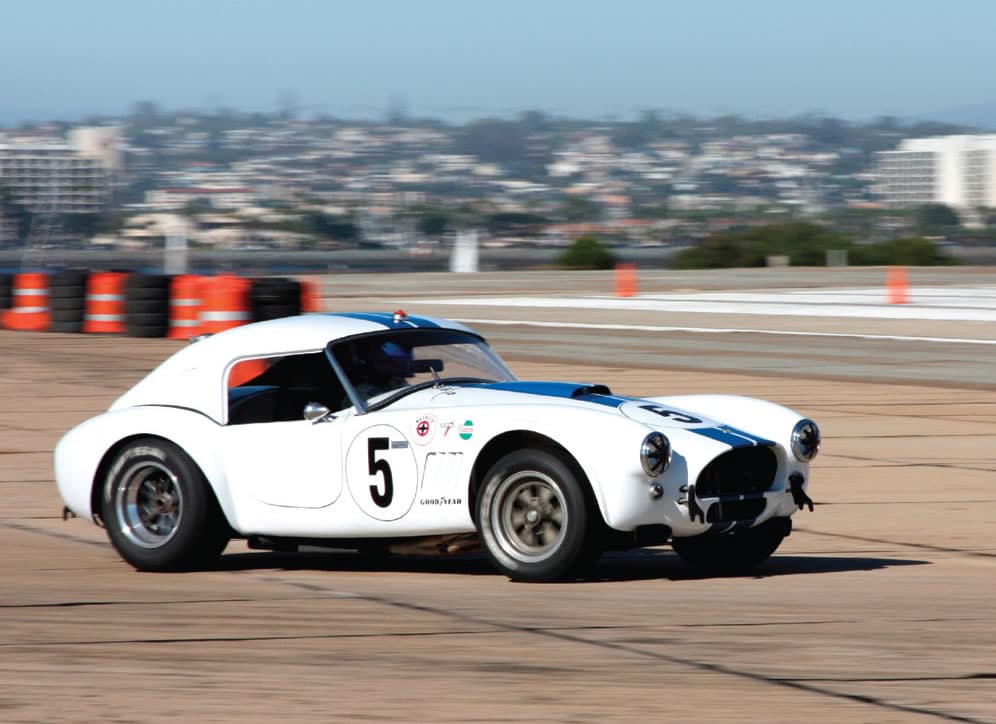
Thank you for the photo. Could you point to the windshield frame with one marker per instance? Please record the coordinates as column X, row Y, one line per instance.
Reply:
column 362, row 405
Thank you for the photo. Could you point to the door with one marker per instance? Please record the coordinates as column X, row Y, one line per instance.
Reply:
column 295, row 464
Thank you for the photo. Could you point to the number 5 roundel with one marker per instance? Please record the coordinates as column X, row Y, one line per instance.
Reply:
column 381, row 472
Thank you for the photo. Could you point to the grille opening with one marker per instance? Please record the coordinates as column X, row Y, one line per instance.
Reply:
column 725, row 512
column 738, row 472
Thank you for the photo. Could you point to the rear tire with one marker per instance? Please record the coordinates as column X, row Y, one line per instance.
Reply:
column 159, row 511
column 736, row 552
column 533, row 517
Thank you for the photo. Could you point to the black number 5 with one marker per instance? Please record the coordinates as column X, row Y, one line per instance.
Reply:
column 676, row 416
column 380, row 466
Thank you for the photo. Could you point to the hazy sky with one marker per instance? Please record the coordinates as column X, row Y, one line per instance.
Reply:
column 457, row 58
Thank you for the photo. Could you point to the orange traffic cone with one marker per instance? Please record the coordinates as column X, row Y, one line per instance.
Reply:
column 625, row 280
column 897, row 285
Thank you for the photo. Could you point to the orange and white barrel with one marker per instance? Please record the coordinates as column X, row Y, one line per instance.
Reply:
column 29, row 303
column 225, row 303
column 105, row 303
column 184, row 307
column 311, row 295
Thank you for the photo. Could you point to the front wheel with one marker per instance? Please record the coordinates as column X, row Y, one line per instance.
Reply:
column 736, row 552
column 158, row 509
column 533, row 516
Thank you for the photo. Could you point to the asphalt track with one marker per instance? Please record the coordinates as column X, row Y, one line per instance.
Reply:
column 879, row 608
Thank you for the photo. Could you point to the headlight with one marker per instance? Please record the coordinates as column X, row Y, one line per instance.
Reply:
column 805, row 440
column 655, row 454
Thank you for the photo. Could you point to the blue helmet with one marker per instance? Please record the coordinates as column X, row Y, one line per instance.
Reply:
column 391, row 359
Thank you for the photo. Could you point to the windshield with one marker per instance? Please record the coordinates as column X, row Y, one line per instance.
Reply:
column 382, row 367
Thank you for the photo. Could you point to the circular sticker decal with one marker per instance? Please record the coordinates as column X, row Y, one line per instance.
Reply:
column 425, row 429
column 467, row 430
column 381, row 472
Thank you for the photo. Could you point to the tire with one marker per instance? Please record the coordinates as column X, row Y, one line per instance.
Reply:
column 159, row 512
column 67, row 312
column 533, row 517
column 274, row 297
column 69, row 279
column 147, row 287
column 275, row 311
column 145, row 306
column 66, row 293
column 154, row 327
column 66, row 319
column 6, row 296
column 736, row 552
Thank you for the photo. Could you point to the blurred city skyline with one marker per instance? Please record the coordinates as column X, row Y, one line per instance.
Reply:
column 62, row 60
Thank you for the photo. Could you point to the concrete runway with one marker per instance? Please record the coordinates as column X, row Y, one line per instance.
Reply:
column 879, row 608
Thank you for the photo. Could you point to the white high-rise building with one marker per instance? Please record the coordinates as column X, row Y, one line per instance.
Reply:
column 959, row 171
column 50, row 176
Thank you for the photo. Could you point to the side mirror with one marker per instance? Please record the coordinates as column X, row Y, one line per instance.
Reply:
column 316, row 412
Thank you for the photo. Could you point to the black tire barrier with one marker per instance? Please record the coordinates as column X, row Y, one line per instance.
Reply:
column 147, row 305
column 146, row 324
column 67, row 300
column 6, row 296
column 274, row 297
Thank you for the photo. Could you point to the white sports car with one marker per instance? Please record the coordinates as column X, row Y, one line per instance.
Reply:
column 366, row 430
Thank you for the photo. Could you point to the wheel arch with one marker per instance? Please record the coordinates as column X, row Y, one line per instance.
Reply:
column 511, row 440
column 111, row 454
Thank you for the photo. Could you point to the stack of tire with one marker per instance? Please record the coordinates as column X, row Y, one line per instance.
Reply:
column 274, row 297
column 147, row 305
column 67, row 300
column 6, row 298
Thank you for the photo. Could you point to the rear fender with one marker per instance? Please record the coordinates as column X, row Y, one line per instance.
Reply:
column 85, row 452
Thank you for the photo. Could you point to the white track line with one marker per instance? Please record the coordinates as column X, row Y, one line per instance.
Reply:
column 975, row 304
column 719, row 330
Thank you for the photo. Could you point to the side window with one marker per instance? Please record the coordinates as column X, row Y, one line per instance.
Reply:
column 276, row 389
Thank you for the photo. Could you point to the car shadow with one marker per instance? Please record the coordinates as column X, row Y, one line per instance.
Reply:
column 633, row 565
column 645, row 564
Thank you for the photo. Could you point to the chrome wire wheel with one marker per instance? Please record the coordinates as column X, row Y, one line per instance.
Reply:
column 148, row 504
column 529, row 516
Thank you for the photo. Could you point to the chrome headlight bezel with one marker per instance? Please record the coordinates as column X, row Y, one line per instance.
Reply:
column 805, row 440
column 655, row 454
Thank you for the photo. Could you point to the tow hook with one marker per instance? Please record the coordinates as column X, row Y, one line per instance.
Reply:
column 694, row 511
column 799, row 496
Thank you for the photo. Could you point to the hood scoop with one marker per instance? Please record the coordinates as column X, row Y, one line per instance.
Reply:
column 583, row 390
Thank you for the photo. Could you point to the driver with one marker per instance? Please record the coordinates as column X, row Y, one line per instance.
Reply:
column 381, row 367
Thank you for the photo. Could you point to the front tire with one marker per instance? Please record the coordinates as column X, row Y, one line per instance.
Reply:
column 159, row 511
column 533, row 516
column 736, row 552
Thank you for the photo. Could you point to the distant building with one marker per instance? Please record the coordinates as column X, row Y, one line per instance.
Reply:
column 959, row 171
column 48, row 176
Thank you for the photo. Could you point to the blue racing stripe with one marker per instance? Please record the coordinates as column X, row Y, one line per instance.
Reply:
column 378, row 318
column 721, row 434
column 757, row 440
column 387, row 319
column 423, row 322
column 565, row 390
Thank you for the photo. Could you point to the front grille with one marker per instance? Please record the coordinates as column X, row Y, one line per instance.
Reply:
column 741, row 471
column 727, row 511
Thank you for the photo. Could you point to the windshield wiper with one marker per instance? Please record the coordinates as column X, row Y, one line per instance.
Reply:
column 437, row 382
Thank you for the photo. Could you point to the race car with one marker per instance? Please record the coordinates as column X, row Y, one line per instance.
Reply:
column 366, row 430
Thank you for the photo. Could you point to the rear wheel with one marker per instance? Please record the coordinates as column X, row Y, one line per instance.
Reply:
column 533, row 517
column 736, row 552
column 158, row 509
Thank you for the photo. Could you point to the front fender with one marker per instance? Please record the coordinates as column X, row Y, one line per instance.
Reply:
column 605, row 446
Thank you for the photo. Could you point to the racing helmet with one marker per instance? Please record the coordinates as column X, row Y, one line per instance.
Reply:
column 390, row 359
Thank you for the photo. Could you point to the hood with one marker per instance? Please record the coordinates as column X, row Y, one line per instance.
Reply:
column 649, row 413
